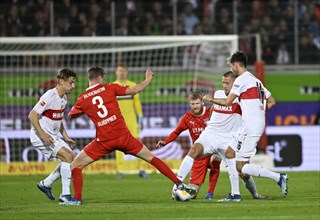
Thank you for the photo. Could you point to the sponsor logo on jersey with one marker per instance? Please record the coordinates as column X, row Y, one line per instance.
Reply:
column 53, row 114
column 197, row 130
column 222, row 108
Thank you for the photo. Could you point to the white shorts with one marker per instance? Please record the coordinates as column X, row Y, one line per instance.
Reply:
column 214, row 142
column 245, row 146
column 49, row 150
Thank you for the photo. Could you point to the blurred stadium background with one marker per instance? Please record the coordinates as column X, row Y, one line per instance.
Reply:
column 186, row 44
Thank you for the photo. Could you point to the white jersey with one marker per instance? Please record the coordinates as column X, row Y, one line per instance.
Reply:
column 224, row 118
column 252, row 97
column 51, row 108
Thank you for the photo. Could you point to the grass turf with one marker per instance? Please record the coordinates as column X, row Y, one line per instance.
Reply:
column 106, row 197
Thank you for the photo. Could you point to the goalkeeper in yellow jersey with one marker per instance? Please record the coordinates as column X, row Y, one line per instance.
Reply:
column 131, row 110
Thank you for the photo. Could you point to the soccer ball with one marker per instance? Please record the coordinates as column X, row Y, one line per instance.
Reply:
column 180, row 195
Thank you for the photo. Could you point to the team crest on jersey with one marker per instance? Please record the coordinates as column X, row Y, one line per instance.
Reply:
column 43, row 103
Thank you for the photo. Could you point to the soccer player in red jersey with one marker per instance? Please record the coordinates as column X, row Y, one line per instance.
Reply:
column 195, row 121
column 100, row 104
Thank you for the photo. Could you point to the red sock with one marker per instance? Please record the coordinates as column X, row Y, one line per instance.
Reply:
column 214, row 175
column 77, row 183
column 164, row 169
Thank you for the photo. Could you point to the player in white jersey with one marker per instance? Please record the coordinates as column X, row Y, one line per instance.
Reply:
column 254, row 100
column 46, row 119
column 224, row 121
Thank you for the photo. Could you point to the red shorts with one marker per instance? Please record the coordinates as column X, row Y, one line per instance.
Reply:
column 199, row 170
column 126, row 143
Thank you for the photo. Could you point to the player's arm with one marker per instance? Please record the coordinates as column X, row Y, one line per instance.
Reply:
column 182, row 126
column 66, row 137
column 141, row 86
column 34, row 119
column 76, row 110
column 271, row 102
column 223, row 102
column 72, row 115
column 208, row 98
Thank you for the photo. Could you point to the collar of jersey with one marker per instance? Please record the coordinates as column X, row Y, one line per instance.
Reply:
column 92, row 86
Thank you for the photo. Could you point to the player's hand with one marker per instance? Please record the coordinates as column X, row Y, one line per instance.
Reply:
column 47, row 138
column 207, row 98
column 160, row 144
column 71, row 142
column 149, row 74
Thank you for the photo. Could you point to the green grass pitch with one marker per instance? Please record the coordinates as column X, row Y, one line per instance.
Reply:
column 105, row 197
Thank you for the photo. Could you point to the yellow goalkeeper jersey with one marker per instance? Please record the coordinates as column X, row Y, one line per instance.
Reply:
column 131, row 109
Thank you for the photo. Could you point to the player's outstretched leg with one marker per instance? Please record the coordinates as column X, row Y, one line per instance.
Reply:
column 146, row 155
column 255, row 170
column 46, row 190
column 283, row 183
column 249, row 183
column 165, row 170
column 45, row 185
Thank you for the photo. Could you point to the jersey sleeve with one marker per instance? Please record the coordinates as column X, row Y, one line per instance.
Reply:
column 237, row 87
column 76, row 109
column 182, row 126
column 42, row 104
column 120, row 90
column 267, row 92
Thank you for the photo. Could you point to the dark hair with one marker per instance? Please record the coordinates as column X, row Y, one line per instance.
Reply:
column 195, row 95
column 66, row 73
column 229, row 74
column 238, row 56
column 95, row 72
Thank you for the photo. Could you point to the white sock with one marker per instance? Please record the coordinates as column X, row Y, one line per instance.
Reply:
column 52, row 177
column 65, row 178
column 251, row 186
column 233, row 176
column 255, row 170
column 185, row 167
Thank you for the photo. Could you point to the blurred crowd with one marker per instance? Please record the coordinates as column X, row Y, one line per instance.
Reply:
column 273, row 19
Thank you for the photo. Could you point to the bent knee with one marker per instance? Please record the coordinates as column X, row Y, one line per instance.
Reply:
column 195, row 151
column 244, row 176
column 230, row 153
column 68, row 156
column 239, row 167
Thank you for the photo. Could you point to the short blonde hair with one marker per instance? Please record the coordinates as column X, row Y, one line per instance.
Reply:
column 195, row 95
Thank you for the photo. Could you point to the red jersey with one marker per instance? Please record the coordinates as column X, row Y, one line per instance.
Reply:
column 195, row 125
column 99, row 102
